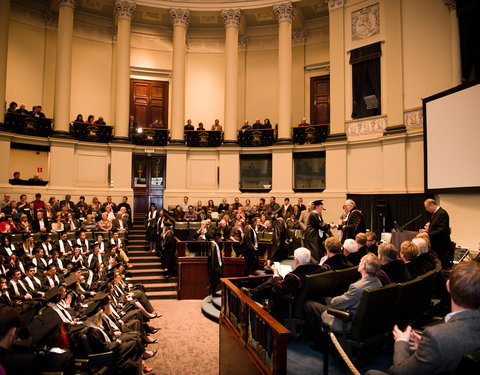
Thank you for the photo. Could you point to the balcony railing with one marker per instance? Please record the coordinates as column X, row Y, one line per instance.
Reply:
column 26, row 124
column 149, row 137
column 203, row 138
column 91, row 132
column 257, row 137
column 310, row 134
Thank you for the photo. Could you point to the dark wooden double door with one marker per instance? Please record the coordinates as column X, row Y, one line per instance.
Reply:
column 320, row 100
column 149, row 101
column 148, row 182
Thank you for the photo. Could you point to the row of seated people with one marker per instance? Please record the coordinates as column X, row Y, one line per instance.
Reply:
column 90, row 120
column 35, row 112
column 57, row 216
column 69, row 247
column 51, row 318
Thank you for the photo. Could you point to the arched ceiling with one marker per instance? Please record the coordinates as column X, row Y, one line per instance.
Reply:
column 206, row 14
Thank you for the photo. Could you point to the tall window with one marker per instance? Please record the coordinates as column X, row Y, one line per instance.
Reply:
column 256, row 172
column 309, row 171
column 365, row 63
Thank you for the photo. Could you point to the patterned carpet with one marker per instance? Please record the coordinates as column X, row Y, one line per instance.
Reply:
column 187, row 341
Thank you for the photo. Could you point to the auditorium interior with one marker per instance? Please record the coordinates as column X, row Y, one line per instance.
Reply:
column 343, row 83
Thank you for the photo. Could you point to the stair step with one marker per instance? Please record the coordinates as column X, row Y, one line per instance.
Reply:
column 162, row 295
column 161, row 286
column 150, row 279
column 209, row 310
column 146, row 266
column 139, row 258
column 146, row 272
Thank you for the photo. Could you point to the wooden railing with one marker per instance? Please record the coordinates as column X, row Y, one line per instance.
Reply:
column 257, row 137
column 149, row 137
column 251, row 340
column 91, row 132
column 310, row 134
column 26, row 124
column 203, row 138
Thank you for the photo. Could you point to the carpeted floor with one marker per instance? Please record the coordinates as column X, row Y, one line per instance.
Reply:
column 187, row 341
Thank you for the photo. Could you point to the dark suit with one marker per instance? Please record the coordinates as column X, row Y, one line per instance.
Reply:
column 249, row 252
column 355, row 224
column 36, row 225
column 70, row 205
column 116, row 224
column 394, row 272
column 441, row 348
column 439, row 232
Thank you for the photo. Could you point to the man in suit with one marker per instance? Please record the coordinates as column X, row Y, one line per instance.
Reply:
column 110, row 203
column 440, row 348
column 287, row 209
column 217, row 126
column 438, row 228
column 189, row 125
column 68, row 203
column 368, row 268
column 257, row 124
column 120, row 223
column 40, row 224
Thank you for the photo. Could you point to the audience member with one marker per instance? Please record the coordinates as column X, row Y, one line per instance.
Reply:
column 393, row 269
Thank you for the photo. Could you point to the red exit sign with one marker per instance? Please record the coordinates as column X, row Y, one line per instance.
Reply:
column 39, row 169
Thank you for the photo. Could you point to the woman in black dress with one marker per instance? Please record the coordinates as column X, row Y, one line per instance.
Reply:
column 152, row 218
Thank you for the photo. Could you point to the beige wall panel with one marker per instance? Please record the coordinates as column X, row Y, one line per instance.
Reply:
column 121, row 169
column 336, row 169
column 262, row 86
column 205, row 88
column 426, row 50
column 317, row 53
column 176, row 171
column 282, row 172
column 150, row 59
column 241, row 113
column 394, row 166
column 5, row 152
column 49, row 71
column 361, row 161
column 24, row 70
column 462, row 209
column 27, row 162
column 414, row 166
column 298, row 85
column 62, row 165
column 91, row 79
column 91, row 168
column 229, row 163
column 203, row 172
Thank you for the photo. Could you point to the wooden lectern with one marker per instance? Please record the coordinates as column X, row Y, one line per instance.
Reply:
column 399, row 237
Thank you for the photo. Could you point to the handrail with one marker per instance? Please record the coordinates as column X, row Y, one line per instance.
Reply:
column 262, row 337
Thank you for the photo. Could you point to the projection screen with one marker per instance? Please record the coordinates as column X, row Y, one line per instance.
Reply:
column 451, row 124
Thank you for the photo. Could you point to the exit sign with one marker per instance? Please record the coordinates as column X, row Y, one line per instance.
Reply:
column 39, row 169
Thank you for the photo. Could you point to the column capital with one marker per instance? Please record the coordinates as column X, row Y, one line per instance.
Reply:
column 299, row 37
column 67, row 3
column 180, row 16
column 231, row 17
column 242, row 43
column 335, row 4
column 450, row 4
column 50, row 20
column 125, row 9
column 284, row 12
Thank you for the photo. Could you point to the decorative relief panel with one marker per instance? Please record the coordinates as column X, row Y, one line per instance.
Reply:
column 371, row 126
column 299, row 37
column 413, row 119
column 334, row 4
column 366, row 22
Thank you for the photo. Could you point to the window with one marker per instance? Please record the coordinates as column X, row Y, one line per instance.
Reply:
column 365, row 63
column 256, row 172
column 309, row 171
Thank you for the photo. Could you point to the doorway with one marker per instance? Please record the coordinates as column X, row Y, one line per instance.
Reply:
column 320, row 100
column 148, row 182
column 149, row 102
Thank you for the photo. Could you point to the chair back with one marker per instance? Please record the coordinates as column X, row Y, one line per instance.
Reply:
column 413, row 299
column 374, row 312
column 194, row 225
column 314, row 287
column 470, row 364
column 344, row 279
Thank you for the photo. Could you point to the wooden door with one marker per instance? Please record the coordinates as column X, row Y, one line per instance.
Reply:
column 320, row 100
column 148, row 182
column 149, row 101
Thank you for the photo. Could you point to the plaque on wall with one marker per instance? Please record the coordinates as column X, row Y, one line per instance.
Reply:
column 366, row 22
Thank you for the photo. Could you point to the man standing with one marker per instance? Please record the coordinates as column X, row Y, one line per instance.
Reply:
column 441, row 347
column 354, row 223
column 316, row 232
column 438, row 229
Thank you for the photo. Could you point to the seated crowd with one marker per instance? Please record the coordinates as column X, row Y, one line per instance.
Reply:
column 56, row 290
column 90, row 120
column 35, row 112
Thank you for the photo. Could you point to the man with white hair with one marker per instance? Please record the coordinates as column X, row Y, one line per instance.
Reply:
column 350, row 249
column 424, row 260
column 277, row 287
column 354, row 223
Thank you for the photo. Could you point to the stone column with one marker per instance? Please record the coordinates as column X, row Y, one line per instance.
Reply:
column 284, row 13
column 180, row 18
column 337, row 68
column 454, row 42
column 124, row 11
column 232, row 22
column 63, row 67
column 4, row 23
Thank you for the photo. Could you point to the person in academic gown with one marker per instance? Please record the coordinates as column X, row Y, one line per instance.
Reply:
column 316, row 232
column 215, row 262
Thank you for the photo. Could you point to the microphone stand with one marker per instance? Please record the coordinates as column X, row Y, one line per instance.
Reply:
column 411, row 221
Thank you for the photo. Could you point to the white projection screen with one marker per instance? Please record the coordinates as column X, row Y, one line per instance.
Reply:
column 451, row 121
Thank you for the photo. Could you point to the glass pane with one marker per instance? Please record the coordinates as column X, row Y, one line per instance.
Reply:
column 309, row 170
column 139, row 171
column 156, row 178
column 256, row 172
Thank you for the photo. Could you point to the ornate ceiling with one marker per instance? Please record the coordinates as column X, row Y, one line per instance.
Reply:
column 203, row 14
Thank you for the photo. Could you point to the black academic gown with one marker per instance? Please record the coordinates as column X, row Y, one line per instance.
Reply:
column 280, row 235
column 215, row 265
column 311, row 236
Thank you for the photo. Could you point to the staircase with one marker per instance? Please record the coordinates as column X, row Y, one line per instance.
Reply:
column 211, row 307
column 147, row 268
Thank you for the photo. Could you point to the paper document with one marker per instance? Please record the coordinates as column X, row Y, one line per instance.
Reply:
column 282, row 269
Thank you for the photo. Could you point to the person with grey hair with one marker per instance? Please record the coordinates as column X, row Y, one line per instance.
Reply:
column 393, row 269
column 353, row 223
column 424, row 262
column 276, row 288
column 314, row 311
column 350, row 249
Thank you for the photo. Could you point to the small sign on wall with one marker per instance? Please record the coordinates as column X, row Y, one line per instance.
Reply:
column 40, row 170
